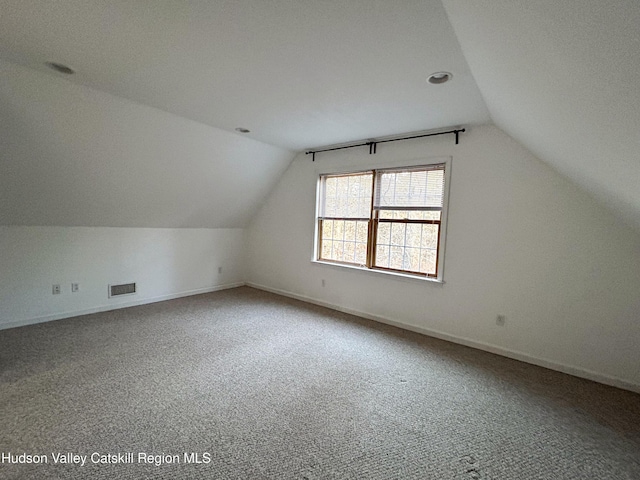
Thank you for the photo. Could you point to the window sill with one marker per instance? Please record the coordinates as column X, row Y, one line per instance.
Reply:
column 399, row 276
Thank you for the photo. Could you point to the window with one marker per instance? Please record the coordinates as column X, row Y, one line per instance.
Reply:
column 386, row 219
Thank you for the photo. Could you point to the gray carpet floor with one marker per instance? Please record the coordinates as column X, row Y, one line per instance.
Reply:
column 267, row 387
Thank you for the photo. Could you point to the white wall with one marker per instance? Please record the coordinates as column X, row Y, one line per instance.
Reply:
column 165, row 263
column 522, row 242
column 74, row 160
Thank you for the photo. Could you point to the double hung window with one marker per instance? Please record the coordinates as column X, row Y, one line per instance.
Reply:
column 387, row 219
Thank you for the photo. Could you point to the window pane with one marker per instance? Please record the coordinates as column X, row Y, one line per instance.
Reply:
column 349, row 252
column 382, row 256
column 346, row 196
column 397, row 233
column 341, row 207
column 411, row 259
column 362, row 231
column 330, row 186
column 327, row 229
column 386, row 189
column 361, row 253
column 428, row 262
column 414, row 234
column 326, row 249
column 396, row 258
column 424, row 215
column 384, row 233
column 350, row 231
column 330, row 207
column 342, row 187
column 429, row 236
column 338, row 229
column 339, row 241
column 411, row 188
column 409, row 247
column 410, row 214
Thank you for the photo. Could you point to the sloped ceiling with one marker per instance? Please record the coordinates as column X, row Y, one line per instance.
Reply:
column 74, row 156
column 143, row 133
column 563, row 78
column 297, row 73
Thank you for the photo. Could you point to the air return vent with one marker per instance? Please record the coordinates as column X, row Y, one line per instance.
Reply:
column 123, row 289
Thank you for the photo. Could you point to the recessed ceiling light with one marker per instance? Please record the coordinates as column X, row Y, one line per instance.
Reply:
column 439, row 77
column 58, row 67
column 242, row 130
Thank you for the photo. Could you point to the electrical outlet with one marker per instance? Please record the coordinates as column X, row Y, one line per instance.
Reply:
column 219, row 270
column 56, row 289
column 500, row 320
column 322, row 282
column 75, row 287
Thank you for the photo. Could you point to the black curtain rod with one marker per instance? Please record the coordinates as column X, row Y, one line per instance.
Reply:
column 372, row 143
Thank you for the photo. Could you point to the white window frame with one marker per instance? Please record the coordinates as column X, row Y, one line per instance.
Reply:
column 427, row 162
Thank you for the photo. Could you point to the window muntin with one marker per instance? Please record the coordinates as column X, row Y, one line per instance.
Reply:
column 388, row 219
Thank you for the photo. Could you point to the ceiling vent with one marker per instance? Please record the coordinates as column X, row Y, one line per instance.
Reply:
column 123, row 289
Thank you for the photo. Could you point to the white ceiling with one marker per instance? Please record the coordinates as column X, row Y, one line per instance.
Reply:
column 560, row 76
column 563, row 78
column 74, row 156
column 297, row 73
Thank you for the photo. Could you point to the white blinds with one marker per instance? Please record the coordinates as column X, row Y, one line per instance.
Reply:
column 410, row 188
column 346, row 196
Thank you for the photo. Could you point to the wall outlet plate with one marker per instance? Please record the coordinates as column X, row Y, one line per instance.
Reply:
column 56, row 289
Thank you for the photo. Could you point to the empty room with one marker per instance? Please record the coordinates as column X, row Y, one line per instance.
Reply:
column 319, row 239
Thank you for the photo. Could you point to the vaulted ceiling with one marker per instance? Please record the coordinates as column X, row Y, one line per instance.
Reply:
column 558, row 76
column 563, row 78
column 297, row 73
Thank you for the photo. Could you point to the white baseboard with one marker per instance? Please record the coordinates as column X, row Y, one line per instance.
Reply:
column 505, row 352
column 105, row 308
